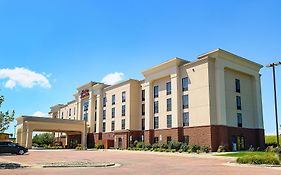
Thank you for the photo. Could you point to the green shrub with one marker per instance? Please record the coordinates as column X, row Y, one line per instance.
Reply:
column 35, row 145
column 258, row 159
column 139, row 145
column 180, row 151
column 99, row 145
column 222, row 148
column 174, row 145
column 155, row 145
column 184, row 147
column 205, row 149
column 168, row 150
column 146, row 149
column 270, row 149
column 173, row 150
column 194, row 148
column 79, row 147
column 148, row 146
column 164, row 146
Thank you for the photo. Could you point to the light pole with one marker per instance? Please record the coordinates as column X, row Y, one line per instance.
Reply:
column 273, row 65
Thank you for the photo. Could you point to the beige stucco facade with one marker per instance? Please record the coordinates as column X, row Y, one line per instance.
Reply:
column 211, row 92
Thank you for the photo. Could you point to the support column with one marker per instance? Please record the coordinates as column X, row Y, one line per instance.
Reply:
column 99, row 113
column 66, row 139
column 176, row 117
column 91, row 112
column 148, row 133
column 148, row 106
column 23, row 135
column 29, row 138
column 18, row 135
column 79, row 109
column 258, row 102
column 83, row 140
column 220, row 94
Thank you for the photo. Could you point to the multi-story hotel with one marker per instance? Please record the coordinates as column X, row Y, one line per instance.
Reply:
column 214, row 100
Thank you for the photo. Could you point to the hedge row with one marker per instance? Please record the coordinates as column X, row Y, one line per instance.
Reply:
column 259, row 159
column 170, row 147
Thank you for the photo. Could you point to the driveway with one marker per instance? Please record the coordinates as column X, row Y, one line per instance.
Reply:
column 131, row 163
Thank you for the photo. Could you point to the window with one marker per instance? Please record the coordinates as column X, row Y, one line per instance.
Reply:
column 169, row 121
column 103, row 126
column 112, row 125
column 104, row 114
column 237, row 85
column 123, row 124
column 185, row 84
column 239, row 120
column 185, row 119
column 169, row 139
column 169, row 104
column 155, row 139
column 104, row 101
column 185, row 101
column 156, row 109
column 142, row 109
column 123, row 96
column 69, row 113
column 156, row 122
column 168, row 88
column 156, row 91
column 86, row 116
column 143, row 124
column 113, row 99
column 123, row 110
column 113, row 112
column 143, row 95
column 62, row 115
column 86, row 106
column 74, row 111
column 186, row 139
column 238, row 102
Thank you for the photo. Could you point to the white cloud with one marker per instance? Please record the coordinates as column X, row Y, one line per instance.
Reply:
column 23, row 77
column 39, row 114
column 113, row 78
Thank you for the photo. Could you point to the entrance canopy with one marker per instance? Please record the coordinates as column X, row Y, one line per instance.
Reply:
column 27, row 124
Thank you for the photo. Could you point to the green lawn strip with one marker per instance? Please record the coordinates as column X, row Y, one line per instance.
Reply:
column 242, row 154
column 271, row 139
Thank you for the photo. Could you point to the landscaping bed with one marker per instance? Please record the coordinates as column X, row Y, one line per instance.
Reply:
column 256, row 157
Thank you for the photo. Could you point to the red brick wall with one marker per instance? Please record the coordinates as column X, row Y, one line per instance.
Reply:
column 212, row 136
column 198, row 135
column 221, row 135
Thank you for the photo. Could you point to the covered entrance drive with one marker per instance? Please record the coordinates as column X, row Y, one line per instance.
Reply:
column 27, row 124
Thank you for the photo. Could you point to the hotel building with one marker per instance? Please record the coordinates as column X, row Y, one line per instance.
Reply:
column 212, row 101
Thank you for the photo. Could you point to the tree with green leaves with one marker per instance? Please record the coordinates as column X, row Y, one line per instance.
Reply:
column 5, row 117
column 43, row 139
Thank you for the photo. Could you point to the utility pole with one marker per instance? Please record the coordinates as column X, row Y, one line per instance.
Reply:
column 273, row 65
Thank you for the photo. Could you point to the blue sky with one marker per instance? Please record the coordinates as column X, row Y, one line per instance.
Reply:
column 64, row 44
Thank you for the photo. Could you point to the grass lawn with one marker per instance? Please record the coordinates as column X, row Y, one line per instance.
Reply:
column 242, row 154
column 271, row 139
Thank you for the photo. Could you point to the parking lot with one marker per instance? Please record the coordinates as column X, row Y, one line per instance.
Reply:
column 131, row 162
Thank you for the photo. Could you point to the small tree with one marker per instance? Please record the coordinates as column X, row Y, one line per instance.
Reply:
column 5, row 117
column 43, row 139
